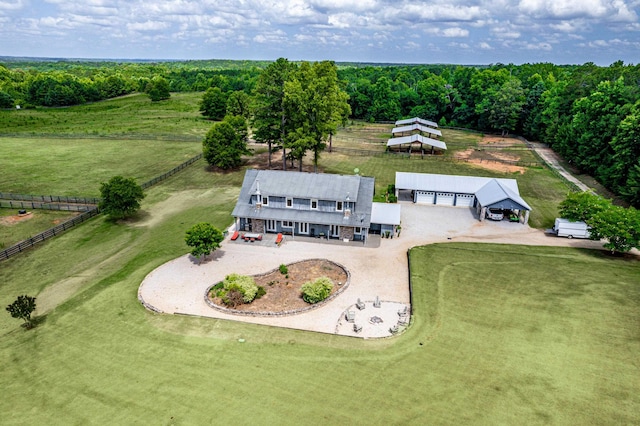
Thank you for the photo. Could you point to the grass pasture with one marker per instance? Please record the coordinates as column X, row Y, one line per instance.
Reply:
column 501, row 334
column 513, row 344
column 13, row 231
column 177, row 116
column 78, row 166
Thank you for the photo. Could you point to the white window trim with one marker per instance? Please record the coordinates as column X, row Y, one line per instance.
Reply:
column 287, row 224
column 341, row 204
column 313, row 200
column 357, row 230
column 265, row 201
column 287, row 201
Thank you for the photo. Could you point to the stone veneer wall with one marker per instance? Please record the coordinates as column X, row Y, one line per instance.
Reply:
column 257, row 226
column 346, row 232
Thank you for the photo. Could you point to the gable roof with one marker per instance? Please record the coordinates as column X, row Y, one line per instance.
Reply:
column 488, row 191
column 321, row 186
column 416, row 138
column 496, row 193
column 416, row 120
column 418, row 127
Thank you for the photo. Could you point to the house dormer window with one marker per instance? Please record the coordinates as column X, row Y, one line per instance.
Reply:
column 314, row 204
column 338, row 206
column 289, row 202
column 265, row 201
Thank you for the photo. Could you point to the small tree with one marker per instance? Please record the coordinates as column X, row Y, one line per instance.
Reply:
column 158, row 89
column 120, row 197
column 316, row 291
column 22, row 308
column 619, row 226
column 582, row 206
column 203, row 238
column 214, row 103
column 224, row 144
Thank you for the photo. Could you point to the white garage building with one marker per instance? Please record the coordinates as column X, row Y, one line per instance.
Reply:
column 463, row 191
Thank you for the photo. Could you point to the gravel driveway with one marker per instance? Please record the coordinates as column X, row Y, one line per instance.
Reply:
column 179, row 286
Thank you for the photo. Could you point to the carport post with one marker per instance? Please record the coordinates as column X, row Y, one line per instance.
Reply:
column 526, row 217
column 483, row 213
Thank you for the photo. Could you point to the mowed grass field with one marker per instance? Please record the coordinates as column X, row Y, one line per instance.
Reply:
column 13, row 230
column 501, row 334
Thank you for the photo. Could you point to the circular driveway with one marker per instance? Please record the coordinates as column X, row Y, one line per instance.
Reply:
column 179, row 286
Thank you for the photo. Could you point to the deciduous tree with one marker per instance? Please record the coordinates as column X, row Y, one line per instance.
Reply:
column 120, row 197
column 214, row 103
column 203, row 238
column 22, row 308
column 224, row 145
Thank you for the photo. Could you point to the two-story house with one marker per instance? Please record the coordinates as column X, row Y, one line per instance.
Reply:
column 308, row 204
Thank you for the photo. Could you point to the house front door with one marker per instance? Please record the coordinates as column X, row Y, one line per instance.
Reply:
column 334, row 231
column 271, row 225
column 303, row 228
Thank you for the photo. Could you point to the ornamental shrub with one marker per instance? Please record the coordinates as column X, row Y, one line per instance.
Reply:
column 283, row 269
column 242, row 283
column 316, row 291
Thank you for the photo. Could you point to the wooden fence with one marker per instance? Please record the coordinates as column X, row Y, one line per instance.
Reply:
column 49, row 233
column 78, row 204
column 171, row 172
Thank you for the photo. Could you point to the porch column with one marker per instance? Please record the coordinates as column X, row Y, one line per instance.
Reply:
column 526, row 217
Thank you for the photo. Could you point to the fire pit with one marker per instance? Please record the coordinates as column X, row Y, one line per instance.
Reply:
column 375, row 320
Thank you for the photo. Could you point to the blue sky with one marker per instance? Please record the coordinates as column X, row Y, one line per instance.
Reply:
column 405, row 31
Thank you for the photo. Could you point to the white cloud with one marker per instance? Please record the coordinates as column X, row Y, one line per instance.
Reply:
column 614, row 10
column 485, row 46
column 148, row 26
column 455, row 32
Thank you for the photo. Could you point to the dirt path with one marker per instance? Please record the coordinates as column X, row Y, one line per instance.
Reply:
column 553, row 161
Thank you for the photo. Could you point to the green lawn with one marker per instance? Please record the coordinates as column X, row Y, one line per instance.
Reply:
column 38, row 221
column 78, row 166
column 501, row 335
column 176, row 117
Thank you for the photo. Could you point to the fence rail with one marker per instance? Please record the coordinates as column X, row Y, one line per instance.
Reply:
column 171, row 172
column 49, row 233
column 46, row 206
column 49, row 198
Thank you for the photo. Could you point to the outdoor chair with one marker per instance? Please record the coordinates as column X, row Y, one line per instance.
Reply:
column 360, row 305
column 350, row 316
column 377, row 303
column 357, row 328
column 235, row 236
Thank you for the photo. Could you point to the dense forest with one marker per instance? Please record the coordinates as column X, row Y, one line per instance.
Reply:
column 587, row 113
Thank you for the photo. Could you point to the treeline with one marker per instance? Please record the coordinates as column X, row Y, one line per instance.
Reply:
column 54, row 84
column 587, row 113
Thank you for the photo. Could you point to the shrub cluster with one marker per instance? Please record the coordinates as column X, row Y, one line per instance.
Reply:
column 316, row 291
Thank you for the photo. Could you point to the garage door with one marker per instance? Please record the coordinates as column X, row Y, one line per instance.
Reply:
column 444, row 199
column 425, row 197
column 464, row 200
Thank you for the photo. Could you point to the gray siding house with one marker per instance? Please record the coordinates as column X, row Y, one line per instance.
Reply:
column 308, row 204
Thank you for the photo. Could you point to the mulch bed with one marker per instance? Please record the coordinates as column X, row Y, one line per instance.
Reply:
column 283, row 294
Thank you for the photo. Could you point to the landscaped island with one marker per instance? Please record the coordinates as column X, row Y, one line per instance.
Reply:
column 283, row 288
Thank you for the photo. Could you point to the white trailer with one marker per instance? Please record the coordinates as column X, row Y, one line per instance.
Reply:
column 570, row 229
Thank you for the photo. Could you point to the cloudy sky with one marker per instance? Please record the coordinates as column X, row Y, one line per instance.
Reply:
column 405, row 31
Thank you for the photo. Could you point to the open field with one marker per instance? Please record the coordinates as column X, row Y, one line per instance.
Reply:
column 501, row 334
column 496, row 339
column 133, row 114
column 15, row 228
column 78, row 166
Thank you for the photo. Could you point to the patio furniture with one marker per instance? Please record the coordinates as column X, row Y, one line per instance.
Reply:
column 279, row 239
column 235, row 236
column 360, row 305
column 357, row 328
column 376, row 303
column 350, row 316
column 394, row 329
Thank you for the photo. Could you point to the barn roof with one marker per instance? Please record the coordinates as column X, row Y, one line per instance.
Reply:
column 419, row 127
column 416, row 138
column 417, row 120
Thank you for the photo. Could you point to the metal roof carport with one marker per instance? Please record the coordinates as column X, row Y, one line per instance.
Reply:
column 418, row 127
column 416, row 138
column 416, row 120
column 489, row 192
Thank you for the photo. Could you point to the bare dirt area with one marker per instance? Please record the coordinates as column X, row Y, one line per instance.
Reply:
column 490, row 160
column 283, row 290
column 12, row 220
column 500, row 140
